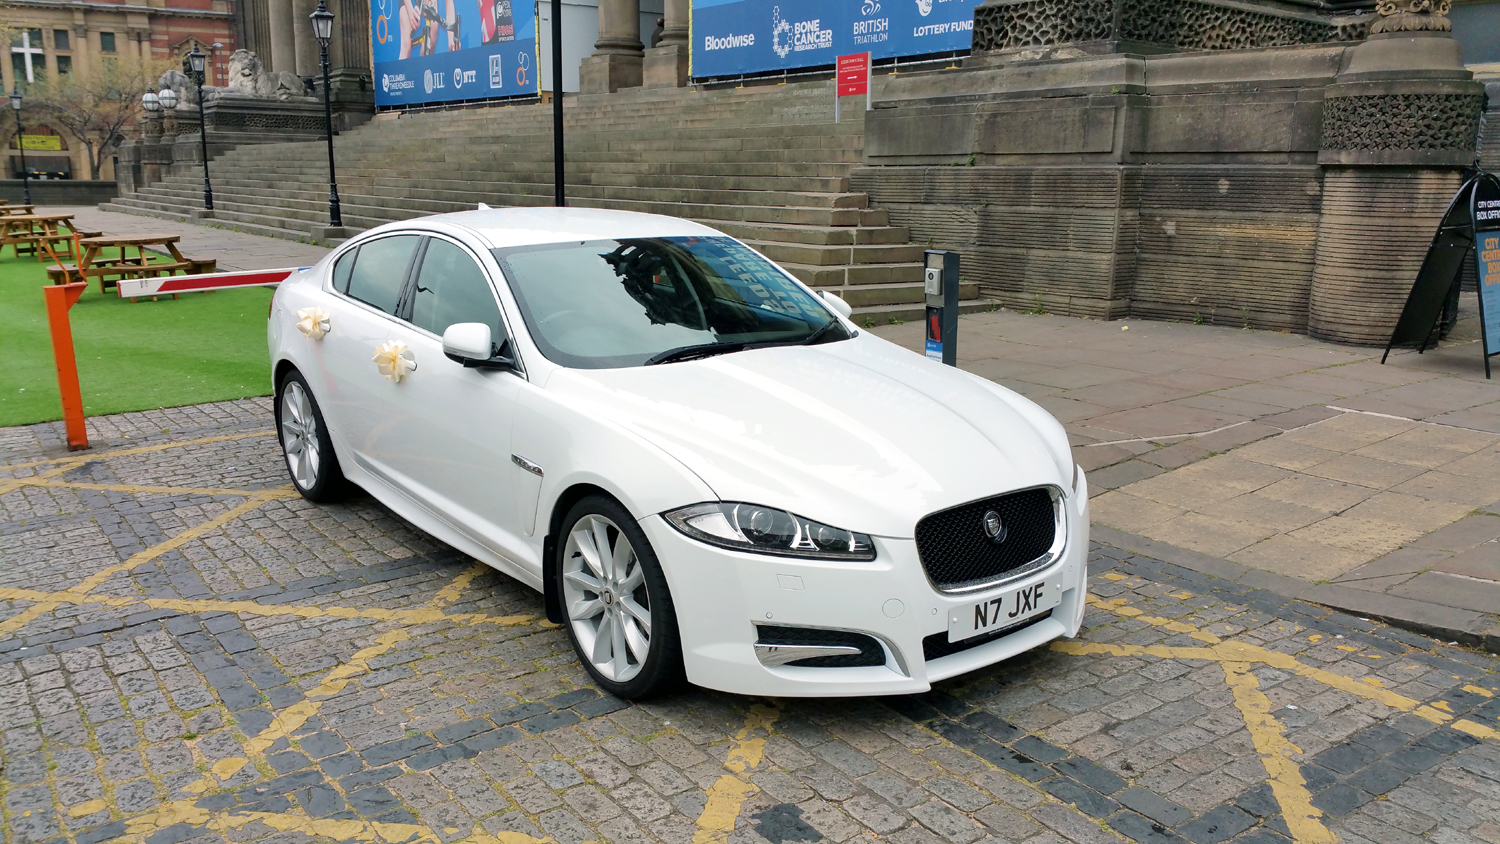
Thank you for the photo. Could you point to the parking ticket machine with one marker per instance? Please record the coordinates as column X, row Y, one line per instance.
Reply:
column 940, row 285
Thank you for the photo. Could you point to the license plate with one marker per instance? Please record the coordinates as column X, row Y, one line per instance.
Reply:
column 1005, row 610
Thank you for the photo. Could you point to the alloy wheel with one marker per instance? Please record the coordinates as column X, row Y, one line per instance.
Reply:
column 299, row 435
column 604, row 593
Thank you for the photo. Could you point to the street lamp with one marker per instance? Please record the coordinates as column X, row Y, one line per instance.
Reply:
column 15, row 103
column 196, row 61
column 322, row 24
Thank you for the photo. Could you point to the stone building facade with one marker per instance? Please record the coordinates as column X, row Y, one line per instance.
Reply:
column 280, row 33
column 71, row 36
column 1277, row 165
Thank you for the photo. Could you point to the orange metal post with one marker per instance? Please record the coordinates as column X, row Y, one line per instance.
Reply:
column 60, row 297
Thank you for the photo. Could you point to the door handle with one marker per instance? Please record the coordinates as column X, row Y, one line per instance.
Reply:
column 393, row 359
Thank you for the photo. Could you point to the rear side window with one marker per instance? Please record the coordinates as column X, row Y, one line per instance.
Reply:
column 379, row 271
column 342, row 269
column 451, row 288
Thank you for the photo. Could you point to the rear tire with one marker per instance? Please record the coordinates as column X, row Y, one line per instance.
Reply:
column 310, row 460
column 616, row 606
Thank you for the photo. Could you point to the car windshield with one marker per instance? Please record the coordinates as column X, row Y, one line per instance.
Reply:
column 615, row 303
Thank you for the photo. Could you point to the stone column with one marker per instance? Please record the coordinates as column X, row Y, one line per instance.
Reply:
column 306, row 45
column 666, row 64
column 1399, row 123
column 82, row 49
column 618, row 54
column 283, row 46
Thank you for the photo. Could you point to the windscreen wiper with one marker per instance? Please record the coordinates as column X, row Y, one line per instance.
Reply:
column 702, row 350
column 813, row 338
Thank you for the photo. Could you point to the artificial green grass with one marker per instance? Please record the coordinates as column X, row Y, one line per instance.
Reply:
column 200, row 348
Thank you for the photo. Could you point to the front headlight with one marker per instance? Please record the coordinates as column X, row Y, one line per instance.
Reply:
column 766, row 530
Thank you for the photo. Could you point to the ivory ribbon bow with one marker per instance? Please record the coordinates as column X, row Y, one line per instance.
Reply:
column 390, row 358
column 313, row 322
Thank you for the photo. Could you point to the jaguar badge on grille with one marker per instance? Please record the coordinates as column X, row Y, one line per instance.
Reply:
column 994, row 527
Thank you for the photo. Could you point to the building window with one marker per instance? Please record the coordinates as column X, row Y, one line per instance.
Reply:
column 60, row 39
column 106, row 42
column 64, row 65
column 27, row 58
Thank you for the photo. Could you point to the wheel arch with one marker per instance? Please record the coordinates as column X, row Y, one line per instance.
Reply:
column 560, row 507
column 279, row 372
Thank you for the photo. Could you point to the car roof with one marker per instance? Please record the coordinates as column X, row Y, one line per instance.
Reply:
column 509, row 227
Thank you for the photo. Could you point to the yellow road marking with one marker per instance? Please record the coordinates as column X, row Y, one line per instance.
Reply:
column 1268, row 735
column 1266, row 731
column 86, row 809
column 298, row 713
column 25, row 617
column 728, row 794
column 1119, row 607
column 1476, row 690
column 282, row 726
column 198, row 605
column 79, row 459
column 1477, row 730
column 281, row 492
column 364, row 832
column 254, row 502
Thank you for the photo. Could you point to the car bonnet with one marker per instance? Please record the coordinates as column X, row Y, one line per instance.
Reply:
column 859, row 434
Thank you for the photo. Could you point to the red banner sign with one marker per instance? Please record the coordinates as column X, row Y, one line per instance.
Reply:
column 854, row 75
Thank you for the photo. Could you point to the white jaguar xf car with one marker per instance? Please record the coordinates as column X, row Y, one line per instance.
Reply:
column 707, row 469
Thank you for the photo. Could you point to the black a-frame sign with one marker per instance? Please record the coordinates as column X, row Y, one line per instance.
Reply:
column 1472, row 222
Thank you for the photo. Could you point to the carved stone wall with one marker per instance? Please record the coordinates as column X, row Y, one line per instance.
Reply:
column 1402, row 122
column 1174, row 24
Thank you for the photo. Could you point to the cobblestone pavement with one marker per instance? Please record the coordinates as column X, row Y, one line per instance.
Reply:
column 190, row 652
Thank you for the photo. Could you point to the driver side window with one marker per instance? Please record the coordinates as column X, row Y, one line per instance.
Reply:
column 451, row 288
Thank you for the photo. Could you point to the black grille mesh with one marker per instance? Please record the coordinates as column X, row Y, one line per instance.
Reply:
column 956, row 551
column 870, row 652
column 937, row 645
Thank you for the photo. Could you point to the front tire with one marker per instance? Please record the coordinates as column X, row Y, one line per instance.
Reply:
column 305, row 443
column 614, row 596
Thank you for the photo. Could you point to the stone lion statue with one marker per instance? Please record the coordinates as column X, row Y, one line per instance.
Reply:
column 248, row 77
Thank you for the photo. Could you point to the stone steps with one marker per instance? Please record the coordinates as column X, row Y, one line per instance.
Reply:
column 766, row 165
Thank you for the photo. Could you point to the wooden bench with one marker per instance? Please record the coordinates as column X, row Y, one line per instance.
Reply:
column 120, row 268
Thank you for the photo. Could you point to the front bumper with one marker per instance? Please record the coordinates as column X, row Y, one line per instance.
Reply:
column 720, row 596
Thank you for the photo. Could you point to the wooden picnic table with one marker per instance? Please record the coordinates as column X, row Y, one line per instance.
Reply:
column 109, row 270
column 10, row 210
column 34, row 234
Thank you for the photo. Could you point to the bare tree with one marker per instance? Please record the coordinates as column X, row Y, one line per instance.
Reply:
column 96, row 106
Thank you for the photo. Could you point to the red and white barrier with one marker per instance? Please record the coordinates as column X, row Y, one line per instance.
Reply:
column 133, row 287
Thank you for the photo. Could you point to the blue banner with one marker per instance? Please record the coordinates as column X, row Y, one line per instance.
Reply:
column 433, row 51
column 734, row 37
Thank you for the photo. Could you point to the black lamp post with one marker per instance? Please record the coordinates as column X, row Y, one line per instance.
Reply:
column 196, row 62
column 15, row 103
column 322, row 24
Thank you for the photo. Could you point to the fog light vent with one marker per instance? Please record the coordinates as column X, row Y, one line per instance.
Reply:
column 810, row 647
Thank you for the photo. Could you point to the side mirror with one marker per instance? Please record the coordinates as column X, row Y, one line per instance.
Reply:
column 471, row 344
column 837, row 303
